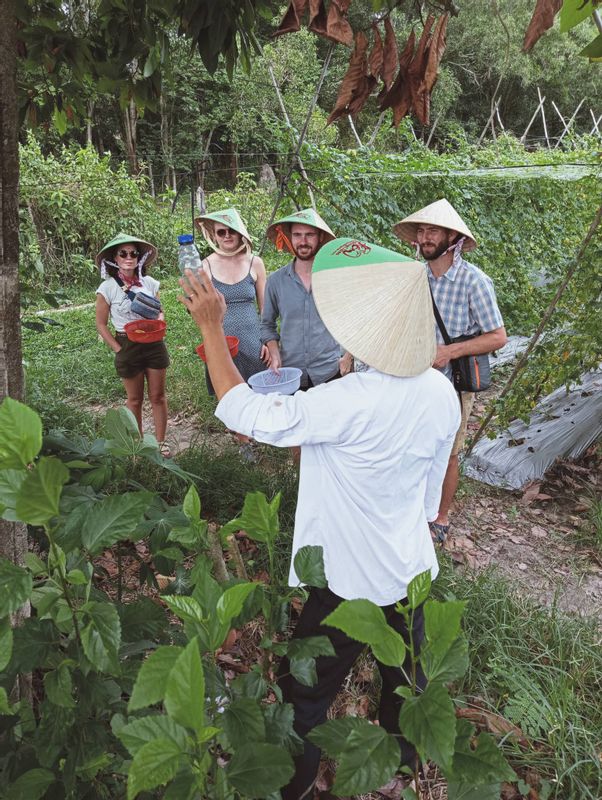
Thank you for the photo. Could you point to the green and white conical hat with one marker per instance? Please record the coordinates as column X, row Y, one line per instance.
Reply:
column 440, row 213
column 227, row 216
column 146, row 248
column 377, row 304
column 280, row 231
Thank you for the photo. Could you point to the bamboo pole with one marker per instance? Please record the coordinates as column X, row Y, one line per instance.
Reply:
column 302, row 135
column 532, row 120
column 544, row 321
column 569, row 123
column 543, row 117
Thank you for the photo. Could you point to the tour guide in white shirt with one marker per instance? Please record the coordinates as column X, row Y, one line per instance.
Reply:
column 374, row 450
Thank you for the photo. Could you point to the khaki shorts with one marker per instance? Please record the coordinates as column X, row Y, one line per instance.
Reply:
column 135, row 357
column 467, row 404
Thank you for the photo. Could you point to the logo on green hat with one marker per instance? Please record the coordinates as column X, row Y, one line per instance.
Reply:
column 352, row 249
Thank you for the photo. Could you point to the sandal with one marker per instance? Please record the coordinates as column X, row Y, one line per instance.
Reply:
column 164, row 450
column 438, row 532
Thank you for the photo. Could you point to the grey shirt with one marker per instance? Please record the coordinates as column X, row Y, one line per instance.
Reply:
column 304, row 341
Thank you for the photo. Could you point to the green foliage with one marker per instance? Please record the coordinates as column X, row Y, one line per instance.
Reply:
column 77, row 202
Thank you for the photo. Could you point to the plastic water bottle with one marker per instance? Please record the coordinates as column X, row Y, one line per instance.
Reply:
column 188, row 255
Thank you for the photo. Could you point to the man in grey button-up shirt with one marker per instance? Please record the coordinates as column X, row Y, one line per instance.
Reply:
column 303, row 340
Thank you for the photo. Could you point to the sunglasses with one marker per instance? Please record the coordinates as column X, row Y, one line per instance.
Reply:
column 128, row 253
column 221, row 232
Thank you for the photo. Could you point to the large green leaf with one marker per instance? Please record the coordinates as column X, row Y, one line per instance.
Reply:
column 573, row 12
column 243, row 722
column 310, row 647
column 303, row 670
column 232, row 600
column 419, row 588
column 364, row 621
column 279, row 719
column 429, row 722
column 187, row 608
column 58, row 687
column 6, row 642
column 32, row 785
column 39, row 494
column 442, row 622
column 369, row 760
column 593, row 51
column 114, row 518
column 15, row 587
column 192, row 504
column 257, row 770
column 140, row 731
column 445, row 666
column 154, row 764
column 4, row 704
column 483, row 763
column 151, row 681
column 185, row 689
column 10, row 483
column 20, row 434
column 101, row 637
column 332, row 736
column 309, row 566
column 259, row 518
column 120, row 427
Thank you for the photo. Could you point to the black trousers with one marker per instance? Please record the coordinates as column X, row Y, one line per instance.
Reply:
column 311, row 703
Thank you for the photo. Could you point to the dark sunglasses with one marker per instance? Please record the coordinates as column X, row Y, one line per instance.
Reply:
column 126, row 253
column 221, row 232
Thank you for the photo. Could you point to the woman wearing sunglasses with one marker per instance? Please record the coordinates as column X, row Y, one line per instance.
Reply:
column 123, row 263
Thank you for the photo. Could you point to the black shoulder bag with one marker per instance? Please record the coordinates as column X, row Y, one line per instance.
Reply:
column 469, row 373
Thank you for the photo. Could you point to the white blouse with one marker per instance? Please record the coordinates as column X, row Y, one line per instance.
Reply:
column 119, row 302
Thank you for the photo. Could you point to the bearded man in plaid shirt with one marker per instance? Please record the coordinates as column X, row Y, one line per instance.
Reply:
column 466, row 300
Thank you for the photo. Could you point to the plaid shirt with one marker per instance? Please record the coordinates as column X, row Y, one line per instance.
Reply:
column 466, row 301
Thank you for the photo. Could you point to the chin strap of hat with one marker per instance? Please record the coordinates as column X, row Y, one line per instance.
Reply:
column 457, row 248
column 282, row 240
column 207, row 235
column 106, row 263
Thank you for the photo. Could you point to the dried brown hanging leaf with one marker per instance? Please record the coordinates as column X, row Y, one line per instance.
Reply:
column 352, row 83
column 338, row 28
column 317, row 17
column 542, row 19
column 391, row 55
column 291, row 22
column 399, row 97
column 436, row 51
column 375, row 63
column 420, row 98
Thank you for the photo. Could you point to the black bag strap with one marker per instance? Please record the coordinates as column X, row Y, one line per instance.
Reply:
column 440, row 323
column 128, row 292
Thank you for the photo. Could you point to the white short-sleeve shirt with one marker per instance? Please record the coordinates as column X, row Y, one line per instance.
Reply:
column 119, row 302
column 374, row 451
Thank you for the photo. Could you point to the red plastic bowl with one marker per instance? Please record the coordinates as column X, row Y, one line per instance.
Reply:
column 232, row 347
column 146, row 330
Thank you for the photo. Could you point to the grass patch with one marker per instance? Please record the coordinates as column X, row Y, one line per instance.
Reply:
column 540, row 669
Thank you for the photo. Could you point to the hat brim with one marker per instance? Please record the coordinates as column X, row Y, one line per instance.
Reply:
column 407, row 232
column 143, row 246
column 208, row 222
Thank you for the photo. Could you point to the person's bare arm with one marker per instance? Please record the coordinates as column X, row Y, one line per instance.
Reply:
column 102, row 323
column 485, row 343
column 208, row 308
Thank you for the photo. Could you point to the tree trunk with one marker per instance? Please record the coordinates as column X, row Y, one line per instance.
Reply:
column 130, row 123
column 89, row 123
column 13, row 536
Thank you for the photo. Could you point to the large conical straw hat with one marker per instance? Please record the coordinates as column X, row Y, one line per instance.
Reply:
column 124, row 238
column 306, row 217
column 440, row 213
column 229, row 217
column 377, row 305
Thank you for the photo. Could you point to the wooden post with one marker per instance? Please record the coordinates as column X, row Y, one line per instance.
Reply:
column 532, row 120
column 596, row 122
column 300, row 141
column 354, row 131
column 489, row 121
column 569, row 123
column 543, row 117
column 379, row 122
column 151, row 180
column 432, row 130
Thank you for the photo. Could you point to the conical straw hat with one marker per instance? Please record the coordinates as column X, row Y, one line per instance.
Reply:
column 440, row 213
column 306, row 217
column 229, row 217
column 125, row 238
column 377, row 304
